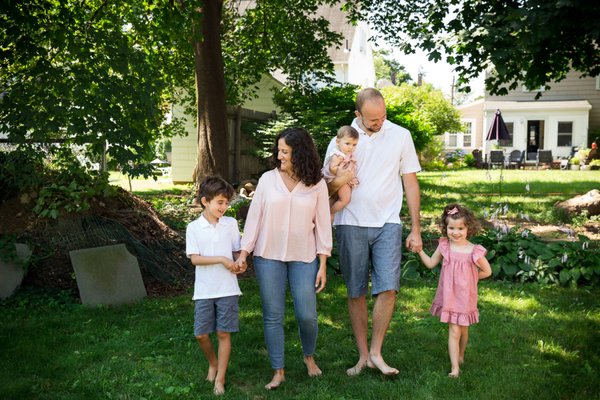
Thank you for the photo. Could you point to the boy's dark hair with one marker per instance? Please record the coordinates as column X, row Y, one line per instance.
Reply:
column 348, row 131
column 456, row 211
column 212, row 186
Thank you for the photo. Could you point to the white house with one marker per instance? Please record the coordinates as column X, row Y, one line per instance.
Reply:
column 567, row 115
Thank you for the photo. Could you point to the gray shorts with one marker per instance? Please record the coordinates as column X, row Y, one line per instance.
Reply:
column 220, row 314
column 375, row 250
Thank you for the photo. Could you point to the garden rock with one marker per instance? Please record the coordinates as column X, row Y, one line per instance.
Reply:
column 107, row 275
column 589, row 202
column 12, row 273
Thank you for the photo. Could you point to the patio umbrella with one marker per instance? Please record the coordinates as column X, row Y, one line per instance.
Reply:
column 157, row 161
column 498, row 129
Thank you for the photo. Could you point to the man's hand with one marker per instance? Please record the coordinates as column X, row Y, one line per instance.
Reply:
column 345, row 173
column 414, row 242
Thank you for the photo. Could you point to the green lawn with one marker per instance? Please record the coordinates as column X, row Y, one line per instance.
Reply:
column 532, row 342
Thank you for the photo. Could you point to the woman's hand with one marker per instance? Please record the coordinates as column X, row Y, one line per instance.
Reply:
column 240, row 263
column 321, row 279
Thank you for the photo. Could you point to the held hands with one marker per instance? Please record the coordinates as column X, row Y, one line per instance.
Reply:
column 239, row 266
column 414, row 242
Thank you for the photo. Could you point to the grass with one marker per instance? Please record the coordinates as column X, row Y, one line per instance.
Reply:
column 532, row 342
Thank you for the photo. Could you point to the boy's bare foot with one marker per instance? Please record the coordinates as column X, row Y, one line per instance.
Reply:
column 219, row 388
column 212, row 373
column 312, row 367
column 277, row 380
column 379, row 363
column 357, row 369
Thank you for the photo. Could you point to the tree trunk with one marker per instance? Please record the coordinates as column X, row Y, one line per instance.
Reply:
column 213, row 147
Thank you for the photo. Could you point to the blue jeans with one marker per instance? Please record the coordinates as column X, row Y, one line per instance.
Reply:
column 272, row 276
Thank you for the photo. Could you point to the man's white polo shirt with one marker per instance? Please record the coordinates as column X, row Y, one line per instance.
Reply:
column 381, row 160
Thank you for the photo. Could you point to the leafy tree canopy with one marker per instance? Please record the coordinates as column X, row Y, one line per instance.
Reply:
column 388, row 68
column 531, row 42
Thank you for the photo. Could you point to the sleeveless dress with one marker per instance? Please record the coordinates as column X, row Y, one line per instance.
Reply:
column 455, row 299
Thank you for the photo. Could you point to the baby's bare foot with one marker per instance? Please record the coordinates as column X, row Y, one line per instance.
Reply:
column 312, row 367
column 380, row 364
column 277, row 380
column 219, row 388
column 212, row 373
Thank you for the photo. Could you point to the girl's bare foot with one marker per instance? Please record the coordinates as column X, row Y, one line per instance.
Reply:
column 219, row 388
column 311, row 366
column 380, row 364
column 277, row 380
column 454, row 373
column 212, row 373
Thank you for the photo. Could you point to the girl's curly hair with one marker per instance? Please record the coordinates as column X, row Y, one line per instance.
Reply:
column 456, row 211
column 305, row 158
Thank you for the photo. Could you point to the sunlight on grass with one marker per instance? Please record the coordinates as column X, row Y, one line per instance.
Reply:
column 551, row 348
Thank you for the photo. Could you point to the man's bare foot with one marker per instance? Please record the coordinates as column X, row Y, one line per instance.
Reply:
column 312, row 367
column 212, row 373
column 357, row 369
column 219, row 388
column 277, row 380
column 461, row 361
column 379, row 363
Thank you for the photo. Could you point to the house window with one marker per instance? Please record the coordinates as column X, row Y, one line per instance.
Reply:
column 509, row 142
column 565, row 134
column 452, row 139
column 467, row 134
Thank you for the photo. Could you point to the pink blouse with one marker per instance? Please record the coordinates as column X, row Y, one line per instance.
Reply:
column 288, row 225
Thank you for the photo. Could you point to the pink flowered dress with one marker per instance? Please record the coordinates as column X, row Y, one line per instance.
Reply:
column 455, row 300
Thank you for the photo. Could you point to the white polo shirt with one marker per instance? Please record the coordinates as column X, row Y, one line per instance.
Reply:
column 221, row 239
column 381, row 160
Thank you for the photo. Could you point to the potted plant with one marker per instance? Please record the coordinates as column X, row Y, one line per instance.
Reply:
column 594, row 164
column 574, row 163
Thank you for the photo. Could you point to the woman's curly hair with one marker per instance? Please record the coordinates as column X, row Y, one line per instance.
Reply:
column 306, row 163
column 456, row 211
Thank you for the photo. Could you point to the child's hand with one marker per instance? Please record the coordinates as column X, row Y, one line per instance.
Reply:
column 240, row 265
column 229, row 264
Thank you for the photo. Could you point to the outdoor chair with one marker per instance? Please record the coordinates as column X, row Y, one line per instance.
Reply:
column 478, row 158
column 515, row 158
column 544, row 157
column 497, row 158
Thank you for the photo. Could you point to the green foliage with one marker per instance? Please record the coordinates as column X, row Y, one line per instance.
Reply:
column 320, row 111
column 388, row 68
column 533, row 42
column 20, row 170
column 521, row 255
column 8, row 251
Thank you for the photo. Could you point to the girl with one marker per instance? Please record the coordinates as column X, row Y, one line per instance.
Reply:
column 463, row 265
column 346, row 141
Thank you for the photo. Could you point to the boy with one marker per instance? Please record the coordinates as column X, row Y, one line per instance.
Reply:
column 212, row 244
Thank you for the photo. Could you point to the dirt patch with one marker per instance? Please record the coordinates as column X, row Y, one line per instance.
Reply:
column 123, row 218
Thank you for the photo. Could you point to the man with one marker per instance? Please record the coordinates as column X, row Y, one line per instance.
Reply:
column 368, row 229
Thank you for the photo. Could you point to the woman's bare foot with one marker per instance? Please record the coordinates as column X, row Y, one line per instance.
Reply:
column 312, row 367
column 219, row 388
column 212, row 373
column 277, row 380
column 380, row 364
column 357, row 369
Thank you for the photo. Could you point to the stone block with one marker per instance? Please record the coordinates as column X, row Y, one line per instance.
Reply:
column 11, row 274
column 107, row 275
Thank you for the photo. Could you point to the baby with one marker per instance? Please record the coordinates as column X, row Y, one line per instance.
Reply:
column 346, row 141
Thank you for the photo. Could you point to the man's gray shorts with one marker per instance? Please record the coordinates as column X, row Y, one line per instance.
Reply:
column 361, row 248
column 220, row 314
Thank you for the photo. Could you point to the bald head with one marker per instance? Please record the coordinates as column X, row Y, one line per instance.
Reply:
column 367, row 95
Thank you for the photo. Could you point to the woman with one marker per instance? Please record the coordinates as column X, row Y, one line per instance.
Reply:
column 288, row 228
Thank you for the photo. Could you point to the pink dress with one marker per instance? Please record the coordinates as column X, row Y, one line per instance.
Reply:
column 455, row 300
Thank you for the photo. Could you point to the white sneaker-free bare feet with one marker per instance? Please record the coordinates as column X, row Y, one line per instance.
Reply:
column 357, row 369
column 380, row 364
column 212, row 373
column 219, row 388
column 312, row 367
column 277, row 380
column 454, row 374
